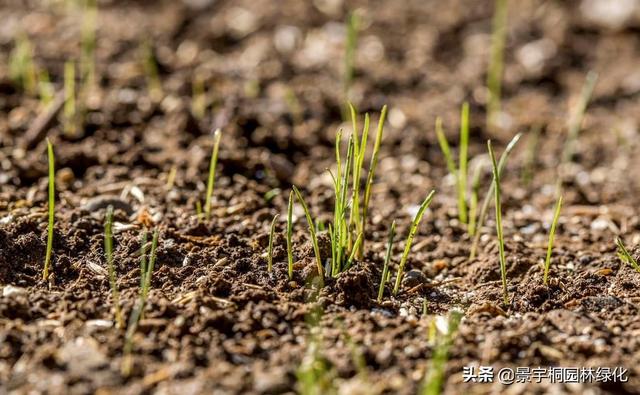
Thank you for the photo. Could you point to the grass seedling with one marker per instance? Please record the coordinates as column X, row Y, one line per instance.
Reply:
column 290, row 235
column 498, row 205
column 496, row 62
column 530, row 157
column 387, row 257
column 552, row 234
column 461, row 172
column 575, row 122
column 473, row 204
column 271, row 237
column 88, row 43
column 45, row 89
column 70, row 118
column 198, row 97
column 487, row 199
column 434, row 379
column 371, row 174
column 625, row 256
column 212, row 172
column 350, row 56
column 412, row 233
column 22, row 69
column 108, row 251
column 150, row 68
column 52, row 204
column 462, row 159
column 146, row 270
column 312, row 231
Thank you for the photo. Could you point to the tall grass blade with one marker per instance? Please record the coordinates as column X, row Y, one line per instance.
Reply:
column 444, row 147
column 290, row 235
column 312, row 231
column 371, row 174
column 498, row 206
column 496, row 62
column 463, row 159
column 575, row 122
column 487, row 199
column 108, row 250
column 212, row 172
column 412, row 233
column 552, row 234
column 52, row 207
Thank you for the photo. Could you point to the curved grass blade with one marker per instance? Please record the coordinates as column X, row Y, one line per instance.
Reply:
column 487, row 199
column 412, row 233
column 625, row 256
column 312, row 231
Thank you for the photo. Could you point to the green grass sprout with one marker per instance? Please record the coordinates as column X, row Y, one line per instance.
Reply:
column 530, row 157
column 552, row 234
column 150, row 68
column 212, row 173
column 351, row 45
column 496, row 62
column 412, row 233
column 70, row 116
column 312, row 231
column 463, row 160
column 22, row 69
column 370, row 176
column 88, row 43
column 143, row 257
column 625, row 256
column 108, row 251
column 435, row 377
column 198, row 97
column 487, row 199
column 473, row 204
column 387, row 257
column 444, row 146
column 46, row 91
column 52, row 207
column 498, row 206
column 290, row 235
column 575, row 122
column 460, row 173
column 271, row 237
column 138, row 310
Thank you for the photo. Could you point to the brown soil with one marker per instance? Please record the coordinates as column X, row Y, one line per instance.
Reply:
column 217, row 322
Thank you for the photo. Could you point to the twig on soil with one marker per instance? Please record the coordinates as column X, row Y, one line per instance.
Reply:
column 498, row 205
column 412, row 232
column 552, row 234
column 212, row 172
column 108, row 250
column 52, row 202
column 42, row 123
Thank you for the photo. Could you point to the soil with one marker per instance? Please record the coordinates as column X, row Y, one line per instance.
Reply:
column 217, row 321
